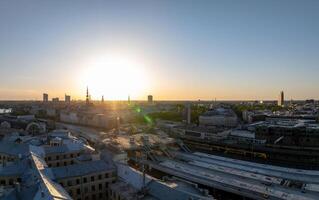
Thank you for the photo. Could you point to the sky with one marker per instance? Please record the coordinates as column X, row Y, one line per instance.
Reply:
column 173, row 49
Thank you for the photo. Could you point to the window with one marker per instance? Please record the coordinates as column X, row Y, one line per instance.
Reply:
column 100, row 195
column 106, row 175
column 57, row 157
column 92, row 178
column 65, row 164
column 93, row 197
column 49, row 158
column 77, row 181
column 84, row 179
column 93, row 188
column 71, row 155
column 78, row 191
column 69, row 183
column 100, row 177
column 58, row 164
column 100, row 186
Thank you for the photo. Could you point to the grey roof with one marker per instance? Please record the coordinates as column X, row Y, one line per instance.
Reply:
column 56, row 149
column 15, row 169
column 180, row 190
column 81, row 169
column 14, row 149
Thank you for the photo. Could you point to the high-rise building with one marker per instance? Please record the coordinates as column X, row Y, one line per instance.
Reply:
column 56, row 99
column 45, row 97
column 281, row 99
column 129, row 99
column 102, row 100
column 67, row 98
column 87, row 100
column 150, row 99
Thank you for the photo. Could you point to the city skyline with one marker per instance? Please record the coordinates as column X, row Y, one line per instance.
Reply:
column 172, row 50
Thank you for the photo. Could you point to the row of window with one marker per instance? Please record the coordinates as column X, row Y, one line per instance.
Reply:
column 6, row 158
column 58, row 164
column 114, row 195
column 10, row 181
column 64, row 156
column 94, row 197
column 77, row 181
column 94, row 188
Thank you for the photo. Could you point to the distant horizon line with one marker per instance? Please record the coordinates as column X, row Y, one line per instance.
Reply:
column 167, row 100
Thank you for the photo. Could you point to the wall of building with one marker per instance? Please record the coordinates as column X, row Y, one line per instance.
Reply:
column 89, row 187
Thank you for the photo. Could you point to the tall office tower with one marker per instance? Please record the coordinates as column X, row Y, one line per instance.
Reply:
column 45, row 97
column 87, row 100
column 67, row 98
column 281, row 99
column 150, row 99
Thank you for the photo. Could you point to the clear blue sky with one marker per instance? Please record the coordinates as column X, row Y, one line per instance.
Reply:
column 191, row 49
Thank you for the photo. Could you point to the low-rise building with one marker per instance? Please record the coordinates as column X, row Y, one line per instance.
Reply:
column 88, row 181
column 300, row 133
column 224, row 117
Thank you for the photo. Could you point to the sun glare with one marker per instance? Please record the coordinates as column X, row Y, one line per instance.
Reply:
column 115, row 77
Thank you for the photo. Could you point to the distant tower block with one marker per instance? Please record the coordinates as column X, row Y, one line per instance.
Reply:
column 67, row 98
column 45, row 97
column 87, row 100
column 281, row 100
column 150, row 99
column 102, row 99
column 188, row 113
column 129, row 99
column 56, row 99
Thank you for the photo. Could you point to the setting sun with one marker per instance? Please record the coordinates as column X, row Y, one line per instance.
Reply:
column 115, row 77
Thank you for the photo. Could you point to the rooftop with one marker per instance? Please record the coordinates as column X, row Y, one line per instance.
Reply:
column 219, row 112
column 14, row 149
column 81, row 169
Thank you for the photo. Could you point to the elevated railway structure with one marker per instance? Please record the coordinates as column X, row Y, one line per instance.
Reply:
column 247, row 179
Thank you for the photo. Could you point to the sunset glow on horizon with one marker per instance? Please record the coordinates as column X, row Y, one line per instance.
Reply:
column 169, row 49
column 115, row 77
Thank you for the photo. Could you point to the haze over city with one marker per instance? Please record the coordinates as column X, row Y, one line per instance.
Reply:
column 174, row 50
column 159, row 100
